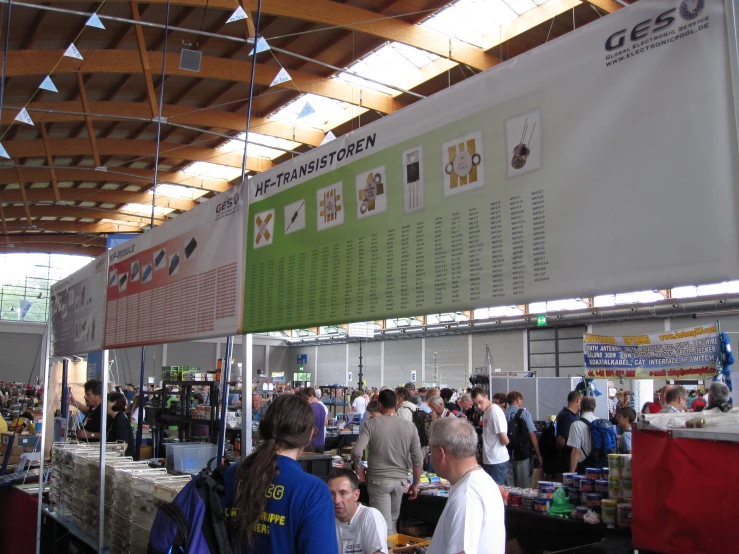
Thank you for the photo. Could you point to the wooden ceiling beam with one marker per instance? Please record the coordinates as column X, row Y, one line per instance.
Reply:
column 145, row 68
column 4, row 222
column 96, row 227
column 103, row 196
column 37, row 62
column 22, row 186
column 608, row 6
column 369, row 22
column 88, row 121
column 52, row 238
column 17, row 212
column 92, row 251
column 135, row 148
column 50, row 161
column 134, row 176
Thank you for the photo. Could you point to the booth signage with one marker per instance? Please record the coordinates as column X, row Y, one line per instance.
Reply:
column 685, row 354
column 568, row 171
column 77, row 310
column 180, row 281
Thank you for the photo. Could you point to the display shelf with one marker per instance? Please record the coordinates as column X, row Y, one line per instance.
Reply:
column 72, row 527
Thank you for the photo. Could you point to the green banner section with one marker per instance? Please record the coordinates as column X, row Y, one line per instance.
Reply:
column 410, row 229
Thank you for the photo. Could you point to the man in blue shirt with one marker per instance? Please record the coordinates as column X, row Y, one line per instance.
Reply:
column 519, row 469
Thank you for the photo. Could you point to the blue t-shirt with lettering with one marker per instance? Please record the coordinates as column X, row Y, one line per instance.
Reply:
column 298, row 512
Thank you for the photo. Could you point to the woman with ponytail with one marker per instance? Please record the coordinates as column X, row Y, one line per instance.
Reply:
column 274, row 507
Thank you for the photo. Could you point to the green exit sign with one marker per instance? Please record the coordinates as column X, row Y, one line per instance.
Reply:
column 541, row 321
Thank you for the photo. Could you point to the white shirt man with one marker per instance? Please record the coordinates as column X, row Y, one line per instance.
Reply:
column 359, row 529
column 359, row 405
column 473, row 521
column 494, row 437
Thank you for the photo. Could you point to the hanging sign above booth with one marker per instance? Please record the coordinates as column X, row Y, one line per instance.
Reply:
column 180, row 281
column 569, row 171
column 685, row 354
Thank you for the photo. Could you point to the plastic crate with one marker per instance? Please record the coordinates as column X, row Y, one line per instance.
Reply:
column 193, row 458
column 405, row 543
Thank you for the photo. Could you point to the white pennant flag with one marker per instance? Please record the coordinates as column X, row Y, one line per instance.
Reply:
column 23, row 117
column 48, row 84
column 306, row 111
column 261, row 46
column 328, row 138
column 282, row 77
column 238, row 15
column 3, row 152
column 72, row 52
column 94, row 21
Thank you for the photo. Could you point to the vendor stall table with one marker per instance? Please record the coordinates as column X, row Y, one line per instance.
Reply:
column 686, row 483
column 18, row 521
column 339, row 441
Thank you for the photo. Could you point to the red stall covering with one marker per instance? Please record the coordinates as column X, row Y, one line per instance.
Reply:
column 685, row 491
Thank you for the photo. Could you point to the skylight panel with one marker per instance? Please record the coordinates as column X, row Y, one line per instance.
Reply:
column 727, row 287
column 499, row 311
column 259, row 145
column 471, row 21
column 213, row 171
column 320, row 111
column 392, row 63
column 684, row 292
column 177, row 191
column 145, row 209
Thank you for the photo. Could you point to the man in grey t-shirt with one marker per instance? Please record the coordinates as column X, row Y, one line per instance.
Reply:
column 393, row 448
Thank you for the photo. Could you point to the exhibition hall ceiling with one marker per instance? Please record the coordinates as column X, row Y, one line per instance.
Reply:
column 81, row 158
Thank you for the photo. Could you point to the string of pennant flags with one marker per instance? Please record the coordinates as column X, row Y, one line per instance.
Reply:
column 260, row 45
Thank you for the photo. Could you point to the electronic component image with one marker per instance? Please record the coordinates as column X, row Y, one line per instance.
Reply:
column 371, row 195
column 295, row 216
column 190, row 248
column 414, row 190
column 123, row 282
column 146, row 274
column 523, row 143
column 174, row 264
column 264, row 228
column 462, row 164
column 330, row 206
column 135, row 270
column 160, row 259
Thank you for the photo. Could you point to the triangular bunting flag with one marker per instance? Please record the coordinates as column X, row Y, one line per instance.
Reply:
column 23, row 117
column 306, row 111
column 94, row 21
column 328, row 138
column 238, row 15
column 282, row 77
column 3, row 152
column 48, row 84
column 72, row 52
column 261, row 46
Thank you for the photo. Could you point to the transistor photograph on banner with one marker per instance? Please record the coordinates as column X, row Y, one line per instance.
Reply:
column 371, row 192
column 463, row 164
column 414, row 189
column 330, row 206
column 523, row 143
column 295, row 216
column 264, row 228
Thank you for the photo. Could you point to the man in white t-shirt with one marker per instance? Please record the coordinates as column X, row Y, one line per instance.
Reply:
column 494, row 436
column 473, row 520
column 359, row 405
column 359, row 529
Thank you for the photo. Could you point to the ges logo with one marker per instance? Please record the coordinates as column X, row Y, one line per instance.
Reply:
column 689, row 10
column 226, row 204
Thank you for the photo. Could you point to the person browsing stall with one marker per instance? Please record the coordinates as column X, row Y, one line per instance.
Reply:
column 393, row 449
column 579, row 439
column 494, row 436
column 625, row 417
column 273, row 505
column 91, row 408
column 359, row 529
column 473, row 518
column 119, row 426
column 318, row 442
column 520, row 466
column 676, row 400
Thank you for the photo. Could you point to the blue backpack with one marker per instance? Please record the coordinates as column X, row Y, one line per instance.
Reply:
column 603, row 442
column 194, row 522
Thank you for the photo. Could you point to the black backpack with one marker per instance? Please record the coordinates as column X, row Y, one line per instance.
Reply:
column 519, row 441
column 195, row 519
column 548, row 443
column 422, row 421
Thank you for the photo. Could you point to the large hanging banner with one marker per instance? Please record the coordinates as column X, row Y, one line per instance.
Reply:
column 604, row 161
column 77, row 308
column 685, row 354
column 180, row 281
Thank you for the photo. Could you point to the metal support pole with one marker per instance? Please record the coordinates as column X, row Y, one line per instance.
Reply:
column 361, row 375
column 225, row 376
column 103, row 427
column 46, row 418
column 65, row 393
column 140, row 426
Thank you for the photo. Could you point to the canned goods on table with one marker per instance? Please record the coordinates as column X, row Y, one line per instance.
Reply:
column 601, row 486
column 567, row 478
column 574, row 496
column 615, row 487
column 580, row 512
column 605, row 473
column 627, row 487
column 546, row 489
column 529, row 495
column 592, row 473
column 515, row 498
column 615, row 463
column 593, row 501
column 587, row 485
column 608, row 511
column 623, row 515
column 542, row 505
column 626, row 463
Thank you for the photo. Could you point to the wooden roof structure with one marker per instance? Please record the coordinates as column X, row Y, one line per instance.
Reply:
column 72, row 176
